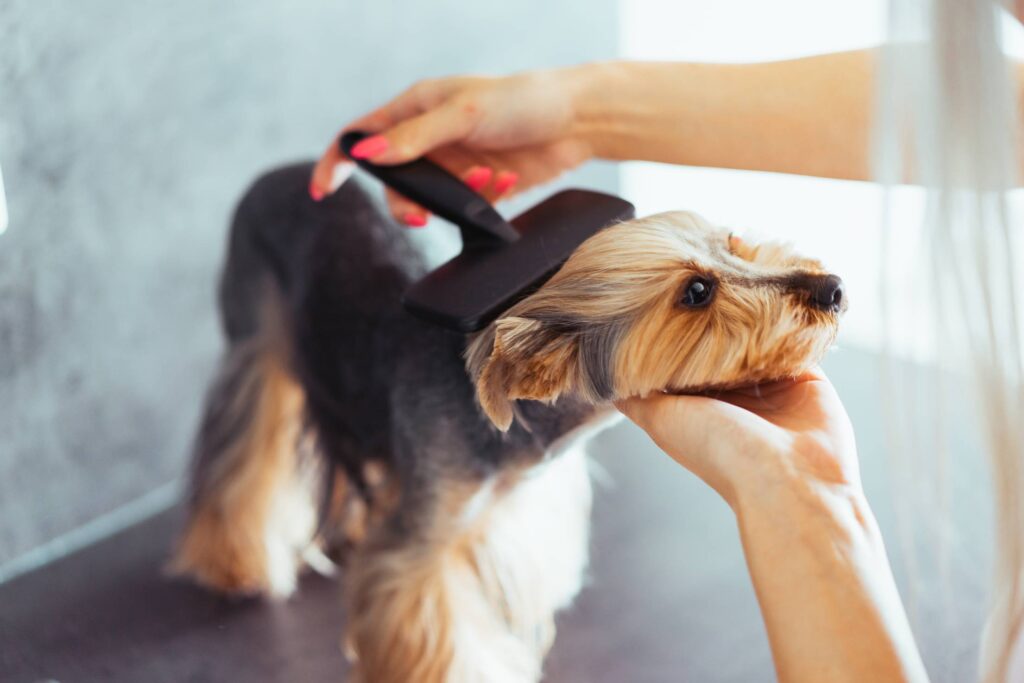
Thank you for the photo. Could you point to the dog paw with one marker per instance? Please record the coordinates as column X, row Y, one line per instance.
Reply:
column 224, row 558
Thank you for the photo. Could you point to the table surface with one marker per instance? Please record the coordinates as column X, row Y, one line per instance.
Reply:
column 667, row 598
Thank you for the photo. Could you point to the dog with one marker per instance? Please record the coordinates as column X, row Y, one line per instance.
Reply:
column 448, row 470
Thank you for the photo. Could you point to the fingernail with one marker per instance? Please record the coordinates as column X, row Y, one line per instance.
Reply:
column 504, row 181
column 477, row 177
column 414, row 220
column 315, row 192
column 341, row 173
column 369, row 147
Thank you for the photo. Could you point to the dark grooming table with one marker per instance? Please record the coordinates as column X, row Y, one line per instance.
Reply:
column 649, row 613
column 668, row 597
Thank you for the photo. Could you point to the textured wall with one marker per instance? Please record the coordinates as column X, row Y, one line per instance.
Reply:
column 126, row 131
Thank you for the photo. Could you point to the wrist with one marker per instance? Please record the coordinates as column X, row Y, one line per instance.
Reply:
column 595, row 92
column 786, row 488
column 823, row 581
column 795, row 463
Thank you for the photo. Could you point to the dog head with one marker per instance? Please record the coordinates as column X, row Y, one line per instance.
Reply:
column 665, row 303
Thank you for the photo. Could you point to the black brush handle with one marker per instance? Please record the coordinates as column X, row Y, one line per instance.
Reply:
column 438, row 191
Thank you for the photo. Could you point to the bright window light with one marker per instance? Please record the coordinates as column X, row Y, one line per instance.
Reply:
column 839, row 222
column 836, row 221
column 746, row 30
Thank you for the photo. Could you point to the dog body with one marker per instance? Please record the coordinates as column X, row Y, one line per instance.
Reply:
column 488, row 539
column 452, row 467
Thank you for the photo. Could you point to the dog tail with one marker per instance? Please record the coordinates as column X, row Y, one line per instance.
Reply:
column 252, row 419
column 252, row 512
column 255, row 481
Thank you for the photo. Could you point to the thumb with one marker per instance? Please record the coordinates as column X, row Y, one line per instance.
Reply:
column 633, row 407
column 656, row 411
column 418, row 136
column 682, row 422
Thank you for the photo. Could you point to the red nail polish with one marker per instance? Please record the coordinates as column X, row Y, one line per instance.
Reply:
column 478, row 177
column 369, row 147
column 414, row 220
column 315, row 192
column 504, row 181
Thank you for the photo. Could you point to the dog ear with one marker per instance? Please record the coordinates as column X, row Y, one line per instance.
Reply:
column 521, row 358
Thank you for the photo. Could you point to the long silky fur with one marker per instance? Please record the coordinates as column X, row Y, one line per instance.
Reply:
column 469, row 520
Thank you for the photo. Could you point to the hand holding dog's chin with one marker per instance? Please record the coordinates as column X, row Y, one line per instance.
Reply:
column 757, row 444
column 783, row 456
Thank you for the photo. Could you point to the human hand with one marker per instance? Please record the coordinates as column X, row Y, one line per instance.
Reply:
column 500, row 135
column 747, row 440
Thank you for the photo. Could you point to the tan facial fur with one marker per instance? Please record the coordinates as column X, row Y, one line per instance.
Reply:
column 612, row 323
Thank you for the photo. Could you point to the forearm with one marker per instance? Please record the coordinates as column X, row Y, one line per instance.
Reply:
column 807, row 116
column 824, row 584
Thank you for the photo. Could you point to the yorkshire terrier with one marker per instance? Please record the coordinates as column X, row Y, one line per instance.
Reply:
column 451, row 468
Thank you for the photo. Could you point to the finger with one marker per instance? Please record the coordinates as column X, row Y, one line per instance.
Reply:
column 779, row 394
column 504, row 182
column 456, row 161
column 382, row 118
column 377, row 120
column 660, row 414
column 473, row 168
column 520, row 169
column 416, row 137
column 405, row 211
column 690, row 429
column 813, row 373
column 330, row 172
column 478, row 177
column 413, row 101
column 515, row 171
column 414, row 215
column 632, row 408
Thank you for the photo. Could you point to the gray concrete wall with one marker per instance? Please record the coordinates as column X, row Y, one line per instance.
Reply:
column 127, row 129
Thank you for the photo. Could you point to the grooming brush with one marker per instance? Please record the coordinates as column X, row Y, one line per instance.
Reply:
column 501, row 261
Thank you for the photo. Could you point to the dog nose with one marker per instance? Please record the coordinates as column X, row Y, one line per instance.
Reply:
column 827, row 293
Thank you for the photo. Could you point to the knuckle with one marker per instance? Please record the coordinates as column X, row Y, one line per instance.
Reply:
column 427, row 84
column 416, row 89
column 468, row 107
column 423, row 92
column 404, row 148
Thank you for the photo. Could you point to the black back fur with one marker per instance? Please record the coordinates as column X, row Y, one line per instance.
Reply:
column 379, row 383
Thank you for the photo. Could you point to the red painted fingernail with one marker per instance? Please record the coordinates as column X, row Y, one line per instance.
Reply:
column 478, row 177
column 504, row 182
column 369, row 147
column 315, row 192
column 414, row 220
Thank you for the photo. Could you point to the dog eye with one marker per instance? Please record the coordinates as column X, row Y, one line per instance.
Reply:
column 697, row 292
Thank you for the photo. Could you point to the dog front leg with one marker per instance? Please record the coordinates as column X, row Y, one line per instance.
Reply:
column 470, row 593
